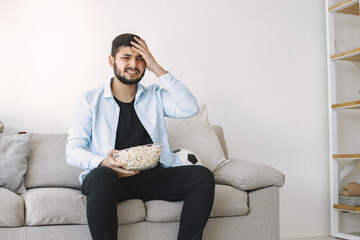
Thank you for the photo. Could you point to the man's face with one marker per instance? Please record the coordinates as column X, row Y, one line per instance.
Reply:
column 129, row 66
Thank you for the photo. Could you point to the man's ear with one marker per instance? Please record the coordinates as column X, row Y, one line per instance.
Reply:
column 111, row 61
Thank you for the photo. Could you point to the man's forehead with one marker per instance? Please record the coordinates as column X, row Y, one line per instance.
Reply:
column 127, row 51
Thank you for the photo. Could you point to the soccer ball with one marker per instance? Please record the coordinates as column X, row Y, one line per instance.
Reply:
column 187, row 157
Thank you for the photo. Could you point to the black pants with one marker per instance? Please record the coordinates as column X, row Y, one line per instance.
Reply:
column 193, row 184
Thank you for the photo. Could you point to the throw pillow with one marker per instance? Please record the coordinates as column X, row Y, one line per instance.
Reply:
column 247, row 176
column 14, row 150
column 196, row 134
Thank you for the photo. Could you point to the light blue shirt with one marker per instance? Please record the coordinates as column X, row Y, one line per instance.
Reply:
column 92, row 133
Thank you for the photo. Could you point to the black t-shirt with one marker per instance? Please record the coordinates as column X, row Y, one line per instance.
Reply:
column 130, row 131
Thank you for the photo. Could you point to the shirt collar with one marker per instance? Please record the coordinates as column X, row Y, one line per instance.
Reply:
column 109, row 94
column 107, row 89
column 139, row 91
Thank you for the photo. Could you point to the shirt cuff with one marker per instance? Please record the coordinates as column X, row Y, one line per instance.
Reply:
column 95, row 162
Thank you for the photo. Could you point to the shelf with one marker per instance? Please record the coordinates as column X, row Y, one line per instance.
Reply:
column 347, row 208
column 346, row 156
column 351, row 55
column 341, row 13
column 352, row 236
column 347, row 105
column 347, row 7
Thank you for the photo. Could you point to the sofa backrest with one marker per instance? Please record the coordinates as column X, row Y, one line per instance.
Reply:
column 47, row 166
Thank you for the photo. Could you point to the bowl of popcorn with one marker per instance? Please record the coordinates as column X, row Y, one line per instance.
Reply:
column 140, row 157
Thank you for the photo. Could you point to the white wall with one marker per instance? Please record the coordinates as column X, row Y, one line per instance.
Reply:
column 260, row 66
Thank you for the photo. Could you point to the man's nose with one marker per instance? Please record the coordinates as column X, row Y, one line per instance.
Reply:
column 133, row 63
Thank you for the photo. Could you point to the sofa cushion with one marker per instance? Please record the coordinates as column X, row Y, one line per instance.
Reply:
column 197, row 135
column 246, row 175
column 131, row 211
column 228, row 202
column 48, row 206
column 11, row 209
column 51, row 206
column 47, row 166
column 14, row 151
column 220, row 134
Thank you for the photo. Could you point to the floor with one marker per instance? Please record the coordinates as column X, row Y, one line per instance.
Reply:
column 314, row 238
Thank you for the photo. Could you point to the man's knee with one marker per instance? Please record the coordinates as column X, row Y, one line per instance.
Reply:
column 208, row 176
column 99, row 179
column 202, row 175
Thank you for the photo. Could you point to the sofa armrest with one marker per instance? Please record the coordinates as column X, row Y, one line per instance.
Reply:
column 246, row 176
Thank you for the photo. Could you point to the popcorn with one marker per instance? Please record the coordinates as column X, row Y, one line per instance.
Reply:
column 139, row 157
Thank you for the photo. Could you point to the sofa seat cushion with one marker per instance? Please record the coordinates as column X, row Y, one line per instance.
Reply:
column 228, row 202
column 52, row 206
column 48, row 206
column 11, row 209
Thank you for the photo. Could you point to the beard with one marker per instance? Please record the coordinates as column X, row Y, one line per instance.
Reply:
column 121, row 76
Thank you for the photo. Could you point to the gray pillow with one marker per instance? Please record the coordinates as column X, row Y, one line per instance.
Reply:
column 14, row 151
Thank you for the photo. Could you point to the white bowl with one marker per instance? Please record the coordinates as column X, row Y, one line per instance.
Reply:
column 140, row 157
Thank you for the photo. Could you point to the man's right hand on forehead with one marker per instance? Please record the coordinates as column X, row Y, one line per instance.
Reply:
column 141, row 47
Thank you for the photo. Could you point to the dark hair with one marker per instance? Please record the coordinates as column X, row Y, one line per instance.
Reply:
column 122, row 40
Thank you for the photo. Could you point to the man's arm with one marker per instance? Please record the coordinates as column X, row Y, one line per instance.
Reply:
column 79, row 139
column 178, row 101
column 80, row 136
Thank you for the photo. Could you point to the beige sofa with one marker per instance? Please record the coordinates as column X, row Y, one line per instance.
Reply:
column 246, row 202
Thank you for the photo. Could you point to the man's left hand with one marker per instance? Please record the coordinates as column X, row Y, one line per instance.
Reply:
column 140, row 47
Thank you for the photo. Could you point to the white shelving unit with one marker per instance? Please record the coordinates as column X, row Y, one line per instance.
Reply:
column 352, row 160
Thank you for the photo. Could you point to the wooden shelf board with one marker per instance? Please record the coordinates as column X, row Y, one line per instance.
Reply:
column 351, row 55
column 347, row 7
column 347, row 105
column 347, row 208
column 346, row 156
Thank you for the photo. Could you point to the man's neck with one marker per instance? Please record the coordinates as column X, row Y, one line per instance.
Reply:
column 124, row 93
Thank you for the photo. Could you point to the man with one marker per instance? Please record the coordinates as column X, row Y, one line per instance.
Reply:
column 121, row 114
